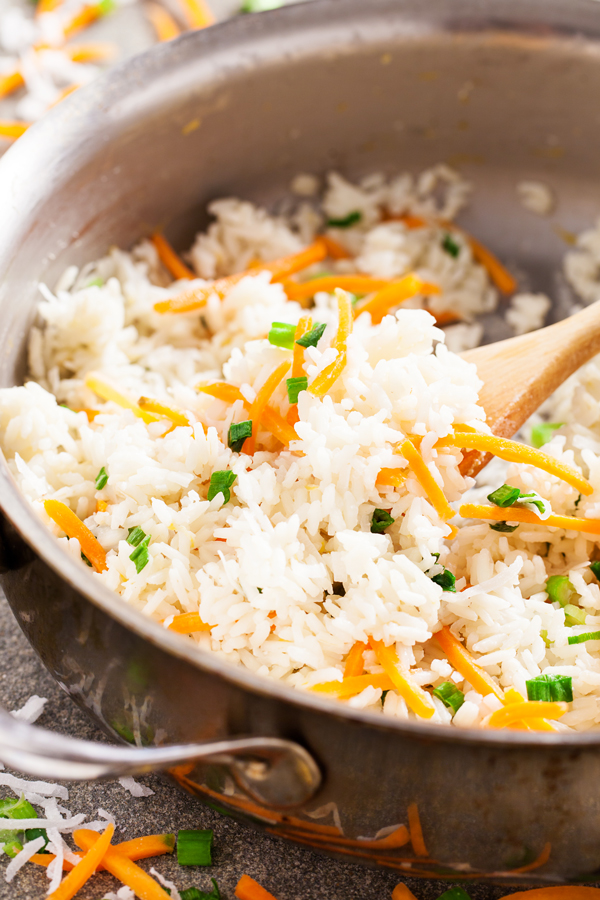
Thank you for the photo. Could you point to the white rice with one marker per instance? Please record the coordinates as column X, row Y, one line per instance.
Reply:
column 536, row 197
column 287, row 573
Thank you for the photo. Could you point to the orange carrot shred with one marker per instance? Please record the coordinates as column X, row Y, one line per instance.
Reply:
column 416, row 832
column 434, row 493
column 304, row 325
column 391, row 477
column 66, row 92
column 355, row 661
column 249, row 889
column 84, row 18
column 460, row 659
column 170, row 260
column 356, row 284
column 187, row 623
column 498, row 273
column 176, row 416
column 197, row 13
column 145, row 887
column 90, row 52
column 260, row 402
column 11, row 130
column 73, row 527
column 393, row 294
column 330, row 374
column 84, row 870
column 138, row 848
column 526, row 711
column 10, row 83
column 164, row 24
column 101, row 385
column 526, row 516
column 271, row 420
column 334, row 248
column 401, row 892
column 416, row 698
column 354, row 684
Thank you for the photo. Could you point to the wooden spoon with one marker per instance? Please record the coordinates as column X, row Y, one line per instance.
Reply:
column 522, row 372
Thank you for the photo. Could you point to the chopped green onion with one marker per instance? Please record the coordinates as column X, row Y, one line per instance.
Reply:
column 542, row 433
column 578, row 501
column 595, row 567
column 582, row 638
column 560, row 590
column 380, row 521
column 238, row 433
column 550, row 688
column 101, row 479
column 32, row 833
column 140, row 555
column 383, row 696
column 294, row 386
column 504, row 496
column 574, row 615
column 347, row 221
column 220, row 482
column 450, row 695
column 13, row 848
column 312, row 337
column 282, row 335
column 135, row 536
column 450, row 246
column 106, row 6
column 254, row 6
column 544, row 637
column 194, row 893
column 446, row 581
column 95, row 282
column 455, row 893
column 86, row 560
column 194, row 848
column 532, row 498
column 20, row 809
column 503, row 527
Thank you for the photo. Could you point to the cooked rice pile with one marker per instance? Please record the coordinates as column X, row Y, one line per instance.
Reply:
column 288, row 574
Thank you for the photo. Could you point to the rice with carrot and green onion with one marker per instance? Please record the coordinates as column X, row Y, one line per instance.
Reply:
column 264, row 456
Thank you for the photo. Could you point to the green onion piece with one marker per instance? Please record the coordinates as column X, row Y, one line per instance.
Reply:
column 380, row 521
column 560, row 590
column 312, row 337
column 455, row 893
column 383, row 696
column 95, row 282
column 534, row 499
column 347, row 221
column 542, row 433
column 504, row 496
column 194, row 893
column 503, row 527
column 106, row 6
column 254, row 6
column 446, row 581
column 282, row 335
column 550, row 688
column 238, row 433
column 101, row 479
column 12, row 848
column 450, row 246
column 595, row 567
column 20, row 809
column 86, row 560
column 578, row 501
column 32, row 833
column 574, row 615
column 220, row 482
column 194, row 848
column 582, row 638
column 294, row 386
column 544, row 637
column 450, row 695
column 140, row 555
column 135, row 536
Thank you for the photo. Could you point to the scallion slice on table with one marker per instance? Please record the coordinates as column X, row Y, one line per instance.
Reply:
column 346, row 221
column 295, row 385
column 238, row 432
column 312, row 337
column 194, row 848
column 450, row 695
column 582, row 638
column 450, row 246
column 101, row 479
column 380, row 521
column 220, row 482
column 560, row 590
column 282, row 335
column 19, row 809
column 550, row 688
column 544, row 432
column 455, row 893
column 195, row 893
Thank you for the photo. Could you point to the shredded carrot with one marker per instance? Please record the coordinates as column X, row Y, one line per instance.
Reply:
column 391, row 477
column 145, row 887
column 222, row 390
column 271, row 419
column 101, row 505
column 84, row 870
column 45, row 6
column 498, row 273
column 66, row 92
column 356, row 284
column 249, row 889
column 568, row 892
column 100, row 385
column 176, row 416
column 393, row 295
column 541, row 860
column 446, row 317
column 416, row 698
column 187, row 623
column 164, row 24
column 416, row 832
column 11, row 130
column 138, row 848
column 513, row 451
column 197, row 13
column 10, row 83
column 354, row 684
column 93, row 51
column 512, row 696
column 411, row 221
column 355, row 661
column 344, row 320
column 526, row 711
column 279, row 269
column 330, row 374
column 170, row 260
column 526, row 516
column 73, row 527
column 84, row 18
column 434, row 493
column 260, row 402
column 401, row 892
column 461, row 660
column 304, row 325
column 334, row 248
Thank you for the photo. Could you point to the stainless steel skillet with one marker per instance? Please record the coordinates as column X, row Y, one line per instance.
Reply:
column 506, row 90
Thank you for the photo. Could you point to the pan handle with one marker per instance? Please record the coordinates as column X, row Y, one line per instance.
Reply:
column 276, row 773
